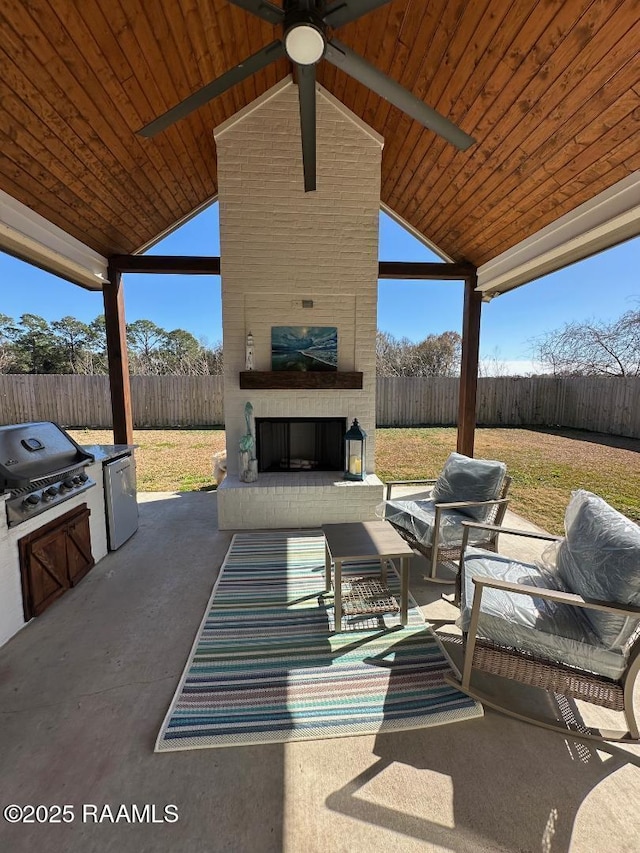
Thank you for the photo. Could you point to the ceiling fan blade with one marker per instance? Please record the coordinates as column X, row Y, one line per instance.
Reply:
column 344, row 58
column 307, row 95
column 244, row 69
column 261, row 8
column 343, row 11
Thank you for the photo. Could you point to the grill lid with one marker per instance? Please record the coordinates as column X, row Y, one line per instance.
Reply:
column 31, row 451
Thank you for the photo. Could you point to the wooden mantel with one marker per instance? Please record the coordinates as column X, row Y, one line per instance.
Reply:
column 284, row 380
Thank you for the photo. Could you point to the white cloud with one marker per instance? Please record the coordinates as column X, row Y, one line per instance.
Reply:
column 491, row 366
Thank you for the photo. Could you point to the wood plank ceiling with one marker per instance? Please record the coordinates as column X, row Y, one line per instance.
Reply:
column 550, row 89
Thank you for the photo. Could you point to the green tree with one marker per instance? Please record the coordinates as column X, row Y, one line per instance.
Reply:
column 98, row 335
column 8, row 332
column 35, row 347
column 72, row 338
column 144, row 337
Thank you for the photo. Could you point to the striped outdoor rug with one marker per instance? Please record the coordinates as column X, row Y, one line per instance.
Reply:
column 265, row 666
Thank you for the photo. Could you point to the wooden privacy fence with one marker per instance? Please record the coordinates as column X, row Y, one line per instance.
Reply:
column 600, row 404
column 76, row 401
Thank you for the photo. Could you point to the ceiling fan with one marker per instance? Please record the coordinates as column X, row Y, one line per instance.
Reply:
column 306, row 25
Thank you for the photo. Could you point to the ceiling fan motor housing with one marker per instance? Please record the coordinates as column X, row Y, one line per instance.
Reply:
column 304, row 36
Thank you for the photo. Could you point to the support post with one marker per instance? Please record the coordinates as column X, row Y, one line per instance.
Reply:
column 469, row 366
column 118, row 358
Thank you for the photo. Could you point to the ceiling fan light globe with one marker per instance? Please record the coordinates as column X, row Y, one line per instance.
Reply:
column 304, row 44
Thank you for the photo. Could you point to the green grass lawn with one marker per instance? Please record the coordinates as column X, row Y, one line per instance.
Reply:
column 177, row 460
column 546, row 466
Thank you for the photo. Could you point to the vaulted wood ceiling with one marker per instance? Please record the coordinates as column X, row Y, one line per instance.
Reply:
column 550, row 89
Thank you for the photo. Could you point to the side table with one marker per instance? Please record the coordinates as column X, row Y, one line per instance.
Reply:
column 361, row 540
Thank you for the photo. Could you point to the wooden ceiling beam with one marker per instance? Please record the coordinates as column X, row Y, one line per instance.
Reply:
column 425, row 271
column 210, row 265
column 166, row 264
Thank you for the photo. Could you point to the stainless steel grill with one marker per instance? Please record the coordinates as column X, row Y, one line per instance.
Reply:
column 41, row 466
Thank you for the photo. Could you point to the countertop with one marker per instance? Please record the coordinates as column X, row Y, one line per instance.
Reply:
column 107, row 452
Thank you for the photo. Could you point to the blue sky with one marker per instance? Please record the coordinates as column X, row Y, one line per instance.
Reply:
column 601, row 287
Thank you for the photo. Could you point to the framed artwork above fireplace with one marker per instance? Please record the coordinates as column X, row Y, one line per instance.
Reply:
column 304, row 348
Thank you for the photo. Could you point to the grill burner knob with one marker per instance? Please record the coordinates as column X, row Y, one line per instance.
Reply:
column 83, row 477
column 31, row 501
column 52, row 491
column 68, row 484
column 76, row 481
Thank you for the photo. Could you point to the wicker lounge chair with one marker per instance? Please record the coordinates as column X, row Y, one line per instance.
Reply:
column 531, row 630
column 434, row 527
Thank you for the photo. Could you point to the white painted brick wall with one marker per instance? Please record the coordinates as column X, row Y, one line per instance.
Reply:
column 247, row 506
column 280, row 245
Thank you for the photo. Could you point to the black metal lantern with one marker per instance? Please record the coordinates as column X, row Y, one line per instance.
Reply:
column 355, row 452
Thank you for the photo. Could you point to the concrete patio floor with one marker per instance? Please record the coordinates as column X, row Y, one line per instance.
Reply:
column 84, row 689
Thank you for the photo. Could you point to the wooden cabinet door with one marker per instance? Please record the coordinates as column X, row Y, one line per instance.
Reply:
column 54, row 558
column 79, row 556
column 45, row 567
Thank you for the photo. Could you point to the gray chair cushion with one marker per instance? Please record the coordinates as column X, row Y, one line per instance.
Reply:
column 418, row 517
column 466, row 479
column 600, row 558
column 558, row 632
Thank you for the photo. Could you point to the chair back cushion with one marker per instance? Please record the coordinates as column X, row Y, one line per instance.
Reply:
column 466, row 479
column 600, row 558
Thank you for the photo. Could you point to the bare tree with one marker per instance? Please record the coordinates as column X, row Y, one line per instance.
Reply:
column 214, row 357
column 436, row 355
column 494, row 365
column 593, row 348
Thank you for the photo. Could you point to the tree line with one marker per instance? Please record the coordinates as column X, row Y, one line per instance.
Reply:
column 35, row 345
column 589, row 348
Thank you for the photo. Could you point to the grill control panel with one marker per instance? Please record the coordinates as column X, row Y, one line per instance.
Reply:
column 27, row 504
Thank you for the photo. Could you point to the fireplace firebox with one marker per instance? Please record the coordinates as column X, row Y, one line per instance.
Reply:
column 300, row 444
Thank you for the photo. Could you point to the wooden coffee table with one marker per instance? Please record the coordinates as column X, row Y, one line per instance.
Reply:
column 361, row 540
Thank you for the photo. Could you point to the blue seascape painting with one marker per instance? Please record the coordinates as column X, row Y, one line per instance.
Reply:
column 304, row 348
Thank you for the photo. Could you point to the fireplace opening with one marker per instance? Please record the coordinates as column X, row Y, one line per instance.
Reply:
column 300, row 444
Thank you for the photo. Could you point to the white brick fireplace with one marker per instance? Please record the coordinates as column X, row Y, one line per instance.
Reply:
column 281, row 247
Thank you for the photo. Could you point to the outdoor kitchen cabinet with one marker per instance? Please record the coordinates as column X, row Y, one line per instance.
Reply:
column 54, row 558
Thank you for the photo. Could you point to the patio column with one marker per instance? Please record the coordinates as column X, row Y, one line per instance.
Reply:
column 469, row 366
column 118, row 358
